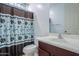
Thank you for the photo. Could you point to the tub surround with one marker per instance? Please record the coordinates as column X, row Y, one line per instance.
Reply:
column 61, row 43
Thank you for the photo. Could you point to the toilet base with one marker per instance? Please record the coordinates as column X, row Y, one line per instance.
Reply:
column 30, row 50
column 36, row 54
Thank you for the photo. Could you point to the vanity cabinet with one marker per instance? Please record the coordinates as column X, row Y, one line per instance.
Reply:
column 51, row 50
column 43, row 53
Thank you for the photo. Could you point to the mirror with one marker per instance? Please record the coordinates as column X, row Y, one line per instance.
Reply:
column 64, row 18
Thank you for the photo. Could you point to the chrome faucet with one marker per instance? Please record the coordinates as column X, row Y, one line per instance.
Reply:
column 60, row 36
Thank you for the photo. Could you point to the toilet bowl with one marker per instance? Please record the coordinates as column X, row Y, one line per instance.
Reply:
column 29, row 50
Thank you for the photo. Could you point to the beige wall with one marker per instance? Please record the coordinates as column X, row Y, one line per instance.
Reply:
column 71, row 17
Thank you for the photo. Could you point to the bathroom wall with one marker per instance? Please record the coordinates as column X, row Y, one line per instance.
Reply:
column 57, row 17
column 41, row 14
column 72, row 18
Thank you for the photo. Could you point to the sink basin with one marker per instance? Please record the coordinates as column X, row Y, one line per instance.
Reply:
column 73, row 42
column 67, row 40
column 58, row 40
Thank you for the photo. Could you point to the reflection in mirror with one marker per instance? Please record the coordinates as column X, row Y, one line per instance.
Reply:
column 64, row 18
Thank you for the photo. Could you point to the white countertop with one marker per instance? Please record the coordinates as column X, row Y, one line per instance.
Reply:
column 61, row 43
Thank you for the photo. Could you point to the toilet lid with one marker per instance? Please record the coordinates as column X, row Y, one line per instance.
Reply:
column 30, row 46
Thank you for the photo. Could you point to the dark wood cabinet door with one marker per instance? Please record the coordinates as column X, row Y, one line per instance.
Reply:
column 46, row 47
column 42, row 52
column 63, row 52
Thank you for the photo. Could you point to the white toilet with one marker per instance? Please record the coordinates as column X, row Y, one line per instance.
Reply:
column 30, row 50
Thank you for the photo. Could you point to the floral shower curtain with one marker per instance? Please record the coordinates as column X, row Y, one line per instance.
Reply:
column 15, row 30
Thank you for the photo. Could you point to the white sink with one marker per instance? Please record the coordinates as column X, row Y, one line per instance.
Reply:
column 73, row 42
column 66, row 40
column 58, row 40
column 71, row 36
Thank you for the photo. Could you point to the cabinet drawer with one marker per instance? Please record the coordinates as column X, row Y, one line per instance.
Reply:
column 46, row 47
column 42, row 52
column 62, row 52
